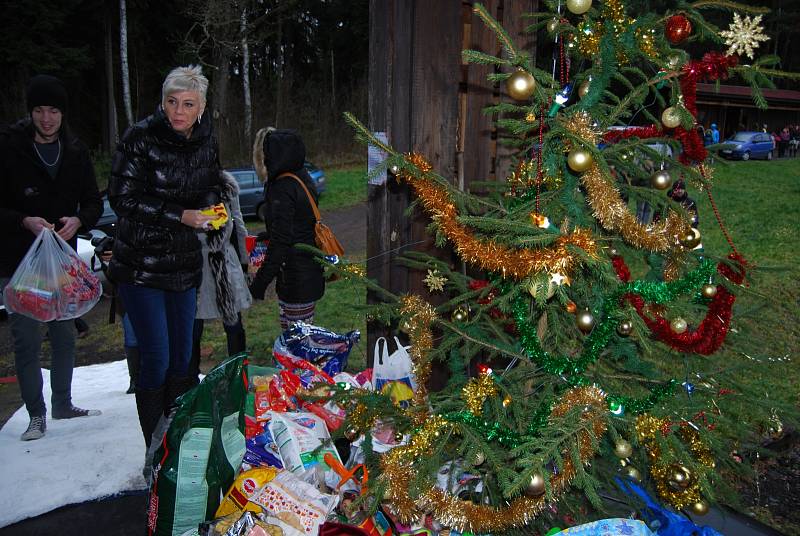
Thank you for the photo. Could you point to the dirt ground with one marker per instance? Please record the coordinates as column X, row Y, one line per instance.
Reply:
column 349, row 225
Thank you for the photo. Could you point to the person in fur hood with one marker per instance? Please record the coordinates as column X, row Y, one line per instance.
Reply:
column 223, row 292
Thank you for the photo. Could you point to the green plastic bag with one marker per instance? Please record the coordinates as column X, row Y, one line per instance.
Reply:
column 200, row 453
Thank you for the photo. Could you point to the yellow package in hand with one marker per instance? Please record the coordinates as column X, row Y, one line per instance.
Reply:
column 246, row 485
column 219, row 213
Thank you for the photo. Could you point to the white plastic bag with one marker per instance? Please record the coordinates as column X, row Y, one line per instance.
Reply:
column 52, row 282
column 392, row 374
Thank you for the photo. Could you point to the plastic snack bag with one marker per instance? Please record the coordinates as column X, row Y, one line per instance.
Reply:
column 298, row 436
column 392, row 373
column 219, row 213
column 52, row 282
column 324, row 348
column 299, row 506
column 246, row 485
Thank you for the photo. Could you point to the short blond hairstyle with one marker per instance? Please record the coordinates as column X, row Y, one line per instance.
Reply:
column 188, row 78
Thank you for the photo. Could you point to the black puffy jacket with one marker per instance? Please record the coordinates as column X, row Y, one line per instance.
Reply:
column 156, row 175
column 290, row 220
column 26, row 189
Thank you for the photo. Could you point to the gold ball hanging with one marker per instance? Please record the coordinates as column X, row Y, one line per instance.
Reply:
column 699, row 508
column 678, row 325
column 394, row 169
column 535, row 487
column 583, row 89
column 579, row 160
column 690, row 238
column 460, row 314
column 660, row 180
column 670, row 117
column 679, row 477
column 552, row 25
column 351, row 434
column 579, row 7
column 478, row 459
column 708, row 290
column 398, row 437
column 521, row 85
column 632, row 473
column 625, row 328
column 507, row 401
column 585, row 321
column 623, row 449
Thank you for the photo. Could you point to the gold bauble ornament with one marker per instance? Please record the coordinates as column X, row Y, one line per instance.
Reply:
column 394, row 169
column 583, row 89
column 660, row 180
column 699, row 508
column 708, row 290
column 398, row 437
column 552, row 25
column 625, row 328
column 679, row 477
column 535, row 487
column 690, row 238
column 521, row 85
column 579, row 160
column 632, row 473
column 579, row 7
column 351, row 433
column 670, row 117
column 585, row 321
column 507, row 401
column 623, row 449
column 678, row 325
column 478, row 459
column 460, row 314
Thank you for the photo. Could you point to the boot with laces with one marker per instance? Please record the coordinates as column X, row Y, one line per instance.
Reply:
column 36, row 429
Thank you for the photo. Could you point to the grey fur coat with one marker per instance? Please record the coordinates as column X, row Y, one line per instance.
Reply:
column 223, row 292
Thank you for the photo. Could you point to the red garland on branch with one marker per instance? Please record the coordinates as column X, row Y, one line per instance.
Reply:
column 713, row 66
column 711, row 332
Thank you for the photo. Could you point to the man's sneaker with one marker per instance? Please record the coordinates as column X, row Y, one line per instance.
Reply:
column 35, row 429
column 71, row 412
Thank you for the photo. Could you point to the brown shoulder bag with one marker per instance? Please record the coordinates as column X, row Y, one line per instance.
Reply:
column 326, row 240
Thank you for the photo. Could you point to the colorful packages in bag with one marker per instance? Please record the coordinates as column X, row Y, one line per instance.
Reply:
column 299, row 436
column 52, row 282
column 324, row 348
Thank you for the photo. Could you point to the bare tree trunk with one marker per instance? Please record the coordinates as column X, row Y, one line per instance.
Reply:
column 112, row 132
column 248, row 106
column 123, row 59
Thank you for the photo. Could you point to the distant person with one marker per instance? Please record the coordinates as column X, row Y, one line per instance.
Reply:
column 714, row 133
column 164, row 169
column 785, row 137
column 290, row 220
column 48, row 182
column 679, row 195
column 223, row 293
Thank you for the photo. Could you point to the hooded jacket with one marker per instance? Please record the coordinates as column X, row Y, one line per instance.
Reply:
column 156, row 174
column 28, row 190
column 290, row 220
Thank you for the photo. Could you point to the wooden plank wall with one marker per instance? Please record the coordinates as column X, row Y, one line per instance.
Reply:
column 428, row 100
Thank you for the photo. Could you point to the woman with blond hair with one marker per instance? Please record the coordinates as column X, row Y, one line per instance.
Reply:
column 165, row 168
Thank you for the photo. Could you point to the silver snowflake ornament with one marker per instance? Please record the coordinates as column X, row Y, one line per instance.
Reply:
column 744, row 35
column 435, row 281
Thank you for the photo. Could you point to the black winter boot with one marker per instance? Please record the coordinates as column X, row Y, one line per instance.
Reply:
column 150, row 407
column 237, row 343
column 176, row 386
column 132, row 357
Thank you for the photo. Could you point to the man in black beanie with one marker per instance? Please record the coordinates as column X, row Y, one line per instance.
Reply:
column 47, row 180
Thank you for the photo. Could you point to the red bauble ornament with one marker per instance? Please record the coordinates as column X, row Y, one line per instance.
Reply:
column 678, row 28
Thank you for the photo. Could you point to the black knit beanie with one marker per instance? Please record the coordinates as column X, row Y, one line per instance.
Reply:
column 46, row 90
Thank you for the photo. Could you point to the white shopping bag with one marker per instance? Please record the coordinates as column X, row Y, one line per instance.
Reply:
column 392, row 374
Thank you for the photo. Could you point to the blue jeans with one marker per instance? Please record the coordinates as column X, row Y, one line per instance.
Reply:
column 162, row 321
column 127, row 333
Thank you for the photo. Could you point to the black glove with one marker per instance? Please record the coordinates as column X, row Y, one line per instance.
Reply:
column 257, row 289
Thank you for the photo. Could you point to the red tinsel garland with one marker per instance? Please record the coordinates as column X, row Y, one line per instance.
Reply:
column 713, row 66
column 710, row 333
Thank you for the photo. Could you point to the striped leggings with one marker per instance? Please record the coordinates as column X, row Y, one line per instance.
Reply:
column 296, row 312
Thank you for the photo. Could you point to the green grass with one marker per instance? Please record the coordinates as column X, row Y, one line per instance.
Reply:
column 347, row 186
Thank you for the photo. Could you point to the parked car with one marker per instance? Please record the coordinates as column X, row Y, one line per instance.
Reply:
column 747, row 145
column 108, row 219
column 251, row 191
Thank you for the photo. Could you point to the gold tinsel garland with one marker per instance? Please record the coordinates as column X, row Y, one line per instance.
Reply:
column 419, row 315
column 488, row 254
column 477, row 391
column 613, row 214
column 398, row 473
column 677, row 496
column 613, row 16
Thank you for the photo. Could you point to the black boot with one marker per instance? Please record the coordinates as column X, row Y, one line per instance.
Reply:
column 150, row 407
column 176, row 386
column 236, row 343
column 132, row 356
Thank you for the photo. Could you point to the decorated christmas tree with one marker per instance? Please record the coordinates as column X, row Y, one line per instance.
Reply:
column 582, row 334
